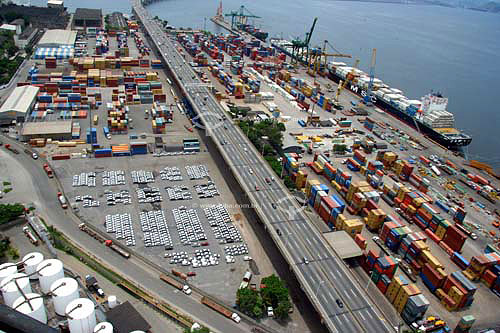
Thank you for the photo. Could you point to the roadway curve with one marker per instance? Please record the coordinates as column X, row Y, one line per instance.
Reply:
column 325, row 279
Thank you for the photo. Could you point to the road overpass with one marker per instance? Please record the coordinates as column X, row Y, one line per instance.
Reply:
column 321, row 273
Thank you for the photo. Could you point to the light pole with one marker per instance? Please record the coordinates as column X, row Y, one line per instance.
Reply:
column 317, row 289
column 264, row 143
column 369, row 280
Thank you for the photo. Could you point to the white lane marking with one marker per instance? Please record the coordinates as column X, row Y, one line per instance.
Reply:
column 361, row 314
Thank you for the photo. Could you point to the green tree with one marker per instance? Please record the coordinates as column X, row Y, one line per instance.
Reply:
column 250, row 302
column 289, row 183
column 198, row 330
column 276, row 294
column 9, row 212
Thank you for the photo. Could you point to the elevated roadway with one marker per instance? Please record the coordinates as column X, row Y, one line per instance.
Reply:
column 341, row 303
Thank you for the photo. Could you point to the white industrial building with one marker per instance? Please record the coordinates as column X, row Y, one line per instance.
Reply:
column 55, row 3
column 18, row 104
column 57, row 38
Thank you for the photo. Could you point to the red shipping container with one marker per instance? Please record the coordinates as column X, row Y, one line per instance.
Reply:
column 60, row 157
column 489, row 278
column 432, row 235
column 415, row 265
column 446, row 248
column 397, row 201
column 370, row 205
column 381, row 286
column 434, row 277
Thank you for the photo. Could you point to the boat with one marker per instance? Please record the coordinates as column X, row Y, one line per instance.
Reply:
column 429, row 115
column 252, row 30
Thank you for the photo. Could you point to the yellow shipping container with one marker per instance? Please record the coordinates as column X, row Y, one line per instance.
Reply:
column 336, row 185
column 353, row 227
column 66, row 144
column 440, row 293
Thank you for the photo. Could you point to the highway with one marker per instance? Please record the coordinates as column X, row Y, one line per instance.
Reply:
column 341, row 303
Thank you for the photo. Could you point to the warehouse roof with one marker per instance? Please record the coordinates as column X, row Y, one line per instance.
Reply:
column 125, row 318
column 87, row 14
column 8, row 27
column 20, row 100
column 343, row 244
column 57, row 37
column 47, row 127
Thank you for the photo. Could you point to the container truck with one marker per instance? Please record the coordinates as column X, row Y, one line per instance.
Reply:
column 48, row 170
column 62, row 200
column 9, row 147
column 222, row 310
column 173, row 282
column 109, row 243
column 30, row 236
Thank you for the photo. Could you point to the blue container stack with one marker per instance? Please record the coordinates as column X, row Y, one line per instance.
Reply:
column 92, row 136
column 138, row 148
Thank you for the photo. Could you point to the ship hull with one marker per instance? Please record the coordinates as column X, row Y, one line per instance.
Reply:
column 450, row 143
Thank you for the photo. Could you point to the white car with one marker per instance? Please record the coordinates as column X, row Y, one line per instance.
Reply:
column 35, row 156
column 247, row 258
column 187, row 290
column 270, row 312
column 235, row 317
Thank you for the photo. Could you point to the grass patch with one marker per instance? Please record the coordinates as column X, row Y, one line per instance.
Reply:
column 7, row 190
column 6, row 183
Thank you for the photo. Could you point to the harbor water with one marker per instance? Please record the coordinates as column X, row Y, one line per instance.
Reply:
column 419, row 48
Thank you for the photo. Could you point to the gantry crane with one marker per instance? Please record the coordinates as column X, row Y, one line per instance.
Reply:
column 335, row 55
column 239, row 17
column 367, row 99
column 301, row 47
column 349, row 78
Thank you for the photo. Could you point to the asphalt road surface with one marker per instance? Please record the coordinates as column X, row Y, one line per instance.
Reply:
column 342, row 304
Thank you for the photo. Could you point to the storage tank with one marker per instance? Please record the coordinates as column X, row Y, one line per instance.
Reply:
column 49, row 271
column 7, row 269
column 112, row 301
column 31, row 262
column 32, row 306
column 103, row 327
column 64, row 291
column 81, row 316
column 10, row 292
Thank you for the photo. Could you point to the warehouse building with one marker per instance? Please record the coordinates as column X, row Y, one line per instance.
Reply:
column 343, row 244
column 87, row 19
column 55, row 130
column 58, row 38
column 18, row 104
column 56, row 43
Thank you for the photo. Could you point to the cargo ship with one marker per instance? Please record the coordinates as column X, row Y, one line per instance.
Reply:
column 429, row 115
column 252, row 30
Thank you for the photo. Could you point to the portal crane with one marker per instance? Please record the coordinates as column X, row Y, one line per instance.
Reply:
column 335, row 55
column 299, row 46
column 239, row 17
column 367, row 99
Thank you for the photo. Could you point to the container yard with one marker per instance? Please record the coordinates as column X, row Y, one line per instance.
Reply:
column 372, row 176
column 133, row 163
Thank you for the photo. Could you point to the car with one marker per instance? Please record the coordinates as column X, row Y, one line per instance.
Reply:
column 187, row 290
column 245, row 149
column 273, row 205
column 191, row 273
column 473, row 236
column 35, row 156
column 305, row 260
column 268, row 180
column 257, row 188
column 100, row 292
column 235, row 317
column 344, row 161
column 270, row 312
column 339, row 303
column 247, row 258
column 204, row 243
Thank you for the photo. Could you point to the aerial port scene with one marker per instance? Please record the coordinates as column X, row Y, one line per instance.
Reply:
column 262, row 167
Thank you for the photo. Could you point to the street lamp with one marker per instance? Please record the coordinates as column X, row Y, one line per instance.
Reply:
column 317, row 288
column 265, row 138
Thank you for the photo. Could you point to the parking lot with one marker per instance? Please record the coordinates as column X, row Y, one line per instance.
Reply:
column 175, row 210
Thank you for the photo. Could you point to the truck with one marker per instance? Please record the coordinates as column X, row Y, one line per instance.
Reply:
column 176, row 284
column 48, row 170
column 109, row 243
column 9, row 147
column 179, row 274
column 93, row 286
column 30, row 236
column 221, row 309
column 62, row 200
column 246, row 280
column 106, row 132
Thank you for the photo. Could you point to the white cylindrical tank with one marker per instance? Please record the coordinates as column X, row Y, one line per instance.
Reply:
column 81, row 316
column 10, row 292
column 103, row 327
column 31, row 262
column 7, row 269
column 64, row 291
column 32, row 306
column 49, row 271
column 112, row 301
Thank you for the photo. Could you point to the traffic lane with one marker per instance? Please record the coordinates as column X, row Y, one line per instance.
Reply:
column 347, row 289
column 311, row 238
column 290, row 241
column 371, row 321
